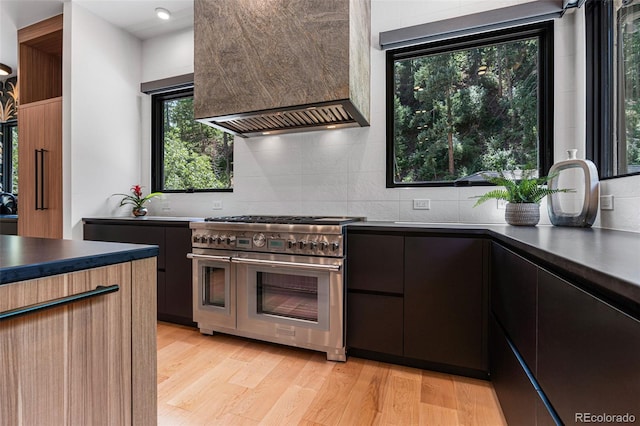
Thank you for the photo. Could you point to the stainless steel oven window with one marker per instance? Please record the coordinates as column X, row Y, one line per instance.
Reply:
column 292, row 297
column 214, row 286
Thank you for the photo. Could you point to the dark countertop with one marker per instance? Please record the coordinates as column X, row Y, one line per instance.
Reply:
column 25, row 258
column 143, row 220
column 604, row 260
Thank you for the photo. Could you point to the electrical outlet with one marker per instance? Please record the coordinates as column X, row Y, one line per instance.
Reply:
column 501, row 204
column 424, row 204
column 217, row 205
column 606, row 202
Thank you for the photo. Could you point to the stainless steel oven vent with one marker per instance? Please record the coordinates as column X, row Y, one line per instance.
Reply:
column 299, row 119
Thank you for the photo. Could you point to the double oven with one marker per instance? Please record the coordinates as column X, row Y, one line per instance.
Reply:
column 273, row 278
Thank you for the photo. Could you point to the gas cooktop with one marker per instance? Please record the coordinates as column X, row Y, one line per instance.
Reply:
column 303, row 220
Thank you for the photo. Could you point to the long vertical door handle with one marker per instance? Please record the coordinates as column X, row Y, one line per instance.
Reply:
column 37, row 179
column 40, row 172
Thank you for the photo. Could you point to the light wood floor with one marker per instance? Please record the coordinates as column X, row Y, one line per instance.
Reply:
column 226, row 380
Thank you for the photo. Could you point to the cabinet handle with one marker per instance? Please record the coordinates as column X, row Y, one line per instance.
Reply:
column 39, row 181
column 99, row 290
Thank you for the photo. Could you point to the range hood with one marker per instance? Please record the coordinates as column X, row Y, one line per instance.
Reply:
column 281, row 66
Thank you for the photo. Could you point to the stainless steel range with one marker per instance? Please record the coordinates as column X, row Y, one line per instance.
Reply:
column 273, row 278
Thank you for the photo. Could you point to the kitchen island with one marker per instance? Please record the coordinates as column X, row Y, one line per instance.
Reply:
column 77, row 332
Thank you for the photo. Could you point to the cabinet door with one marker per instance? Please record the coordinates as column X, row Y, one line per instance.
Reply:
column 374, row 323
column 40, row 213
column 375, row 263
column 588, row 352
column 514, row 298
column 445, row 301
column 70, row 364
column 178, row 291
column 136, row 234
column 517, row 395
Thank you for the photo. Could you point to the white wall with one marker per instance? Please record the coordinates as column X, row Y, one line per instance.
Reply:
column 342, row 172
column 102, row 116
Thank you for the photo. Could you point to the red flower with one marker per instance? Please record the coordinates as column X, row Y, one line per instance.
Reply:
column 137, row 190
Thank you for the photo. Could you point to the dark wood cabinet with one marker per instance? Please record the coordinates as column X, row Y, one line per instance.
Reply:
column 374, row 323
column 445, row 301
column 514, row 299
column 178, row 301
column 581, row 355
column 175, row 290
column 376, row 263
column 410, row 302
column 588, row 352
column 518, row 397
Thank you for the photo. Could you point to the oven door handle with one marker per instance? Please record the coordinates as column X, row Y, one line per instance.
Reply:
column 209, row 257
column 286, row 264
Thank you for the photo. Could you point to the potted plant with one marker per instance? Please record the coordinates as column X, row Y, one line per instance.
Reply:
column 523, row 196
column 137, row 200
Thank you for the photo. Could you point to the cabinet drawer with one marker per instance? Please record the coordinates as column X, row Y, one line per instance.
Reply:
column 376, row 263
column 374, row 323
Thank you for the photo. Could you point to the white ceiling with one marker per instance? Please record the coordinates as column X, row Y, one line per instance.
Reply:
column 134, row 16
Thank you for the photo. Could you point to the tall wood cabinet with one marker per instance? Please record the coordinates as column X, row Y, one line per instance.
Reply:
column 40, row 123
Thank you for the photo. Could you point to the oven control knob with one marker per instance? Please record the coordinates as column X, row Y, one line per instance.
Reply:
column 212, row 239
column 231, row 239
column 323, row 245
column 259, row 240
column 335, row 245
column 291, row 244
column 196, row 238
column 313, row 245
column 302, row 244
column 219, row 239
column 203, row 238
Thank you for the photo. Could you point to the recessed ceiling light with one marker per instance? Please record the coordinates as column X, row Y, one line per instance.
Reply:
column 163, row 13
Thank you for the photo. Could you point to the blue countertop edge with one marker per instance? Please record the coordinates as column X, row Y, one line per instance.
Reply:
column 98, row 254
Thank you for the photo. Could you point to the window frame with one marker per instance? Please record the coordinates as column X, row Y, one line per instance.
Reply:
column 7, row 154
column 600, row 26
column 157, row 142
column 542, row 30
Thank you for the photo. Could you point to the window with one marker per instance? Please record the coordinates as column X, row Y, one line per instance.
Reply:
column 187, row 156
column 613, row 86
column 9, row 157
column 456, row 108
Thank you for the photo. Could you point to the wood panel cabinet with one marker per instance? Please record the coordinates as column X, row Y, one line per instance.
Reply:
column 588, row 352
column 174, row 274
column 91, row 361
column 410, row 302
column 40, row 122
column 40, row 169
